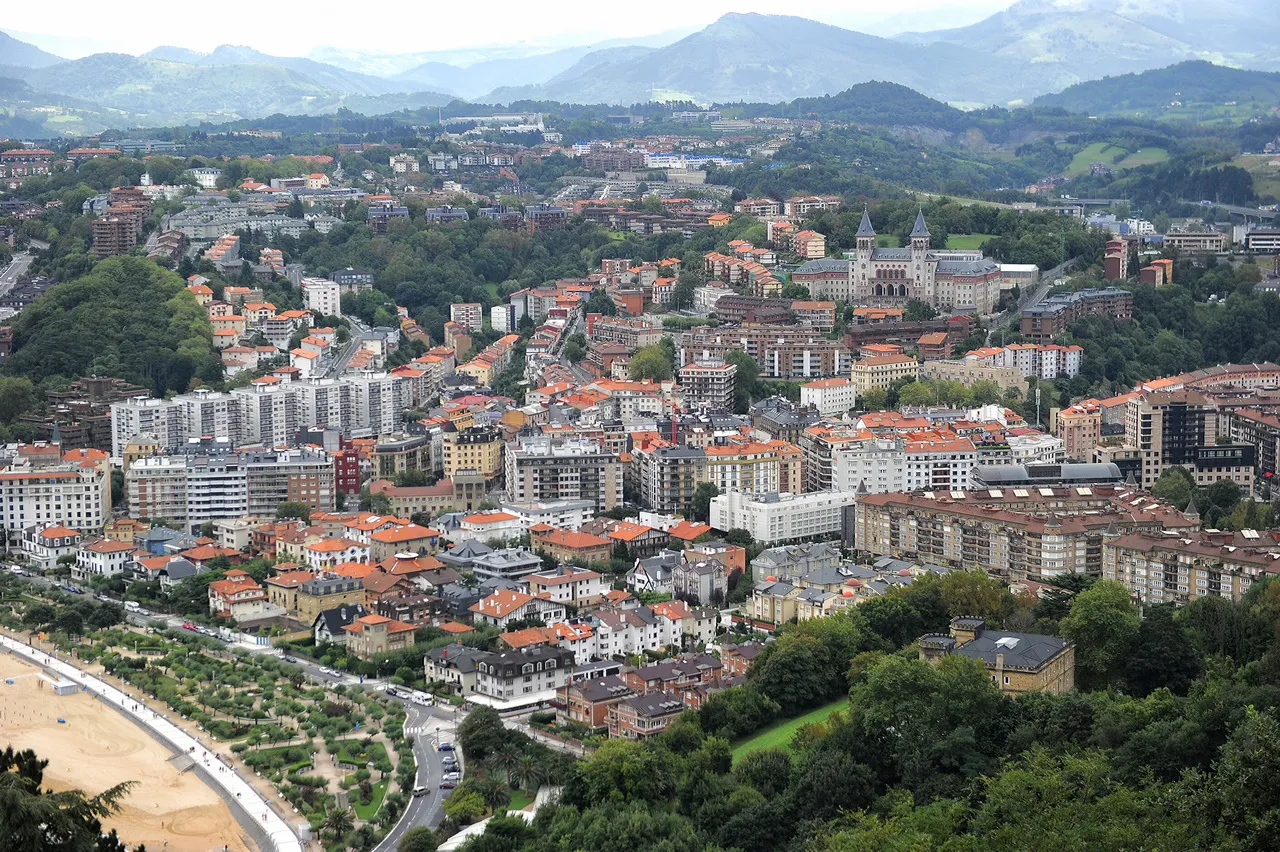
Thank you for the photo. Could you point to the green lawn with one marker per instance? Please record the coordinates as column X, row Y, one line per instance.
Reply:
column 967, row 241
column 366, row 812
column 1105, row 152
column 779, row 735
column 520, row 799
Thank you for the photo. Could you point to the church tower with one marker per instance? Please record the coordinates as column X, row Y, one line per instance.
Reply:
column 865, row 239
column 919, row 236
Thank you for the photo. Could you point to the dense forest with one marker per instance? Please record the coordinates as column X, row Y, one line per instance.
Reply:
column 1171, row 742
column 127, row 318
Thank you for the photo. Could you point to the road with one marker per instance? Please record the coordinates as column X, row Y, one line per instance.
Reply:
column 428, row 725
column 358, row 331
column 15, row 270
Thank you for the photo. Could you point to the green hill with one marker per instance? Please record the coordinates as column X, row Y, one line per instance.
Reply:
column 1188, row 91
column 128, row 318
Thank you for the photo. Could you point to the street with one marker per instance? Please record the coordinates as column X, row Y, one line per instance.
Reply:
column 14, row 271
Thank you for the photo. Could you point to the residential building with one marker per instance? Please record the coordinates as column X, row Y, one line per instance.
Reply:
column 68, row 494
column 1051, row 316
column 1011, row 533
column 640, row 717
column 469, row 315
column 474, row 449
column 587, row 701
column 1198, row 242
column 831, row 397
column 1080, row 428
column 1017, row 662
column 102, row 557
column 328, row 627
column 44, row 544
column 708, row 386
column 237, row 597
column 454, row 666
column 521, row 677
column 372, row 636
column 775, row 517
column 878, row 372
column 568, row 585
column 544, row 469
column 322, row 296
column 571, row 548
column 1181, row 428
column 1161, row 569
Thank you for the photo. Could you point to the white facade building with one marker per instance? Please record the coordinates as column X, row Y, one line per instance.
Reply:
column 322, row 296
column 877, row 465
column 832, row 397
column 158, row 418
column 68, row 495
column 772, row 518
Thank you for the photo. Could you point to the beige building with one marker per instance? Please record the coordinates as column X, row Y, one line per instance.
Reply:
column 1159, row 569
column 969, row 371
column 1180, row 428
column 1017, row 662
column 1013, row 534
column 1196, row 243
column 881, row 371
column 1080, row 428
column 373, row 635
column 475, row 449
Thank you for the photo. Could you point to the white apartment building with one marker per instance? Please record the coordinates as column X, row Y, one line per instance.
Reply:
column 832, row 397
column 503, row 318
column 161, row 419
column 705, row 298
column 209, row 414
column 102, row 557
column 876, row 465
column 65, row 495
column 773, row 518
column 377, row 400
column 197, row 487
column 940, row 465
column 269, row 412
column 1045, row 362
column 322, row 296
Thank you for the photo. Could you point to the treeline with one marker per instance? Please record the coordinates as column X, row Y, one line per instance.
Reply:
column 1171, row 743
column 1175, row 330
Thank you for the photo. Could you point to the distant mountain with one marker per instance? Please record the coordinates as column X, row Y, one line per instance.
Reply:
column 1194, row 89
column 330, row 76
column 155, row 92
column 1067, row 41
column 481, row 77
column 774, row 57
column 23, row 55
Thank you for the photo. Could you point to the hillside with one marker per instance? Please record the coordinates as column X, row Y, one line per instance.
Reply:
column 1198, row 91
column 329, row 76
column 1073, row 40
column 22, row 55
column 128, row 318
column 875, row 103
column 127, row 91
column 775, row 57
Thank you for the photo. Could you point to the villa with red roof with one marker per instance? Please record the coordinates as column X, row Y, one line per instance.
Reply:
column 238, row 597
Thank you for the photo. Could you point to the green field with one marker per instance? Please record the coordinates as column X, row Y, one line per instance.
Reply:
column 967, row 241
column 779, row 735
column 520, row 799
column 366, row 812
column 1266, row 177
column 1105, row 152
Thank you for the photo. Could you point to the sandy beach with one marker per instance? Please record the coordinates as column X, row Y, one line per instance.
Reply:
column 98, row 747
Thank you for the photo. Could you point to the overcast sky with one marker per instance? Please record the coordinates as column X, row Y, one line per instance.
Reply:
column 74, row 28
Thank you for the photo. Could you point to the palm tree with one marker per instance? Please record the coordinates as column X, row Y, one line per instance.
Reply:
column 505, row 759
column 337, row 821
column 529, row 773
column 492, row 791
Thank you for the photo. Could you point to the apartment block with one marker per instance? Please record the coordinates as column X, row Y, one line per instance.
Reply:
column 1181, row 428
column 878, row 372
column 544, row 469
column 708, row 386
column 774, row 517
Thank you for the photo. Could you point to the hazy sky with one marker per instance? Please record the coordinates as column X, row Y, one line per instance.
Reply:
column 79, row 27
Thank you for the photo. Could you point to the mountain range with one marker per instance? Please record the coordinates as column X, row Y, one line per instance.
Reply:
column 1032, row 48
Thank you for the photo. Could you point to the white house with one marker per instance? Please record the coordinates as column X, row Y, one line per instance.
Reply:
column 44, row 545
column 505, row 606
column 102, row 557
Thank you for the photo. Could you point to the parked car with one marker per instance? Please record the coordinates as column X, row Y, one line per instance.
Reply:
column 445, row 747
column 187, row 625
column 289, row 659
column 448, row 784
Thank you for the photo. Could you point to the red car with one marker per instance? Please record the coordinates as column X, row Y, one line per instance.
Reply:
column 187, row 625
column 448, row 785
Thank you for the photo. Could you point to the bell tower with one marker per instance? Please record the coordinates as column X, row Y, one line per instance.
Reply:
column 919, row 236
